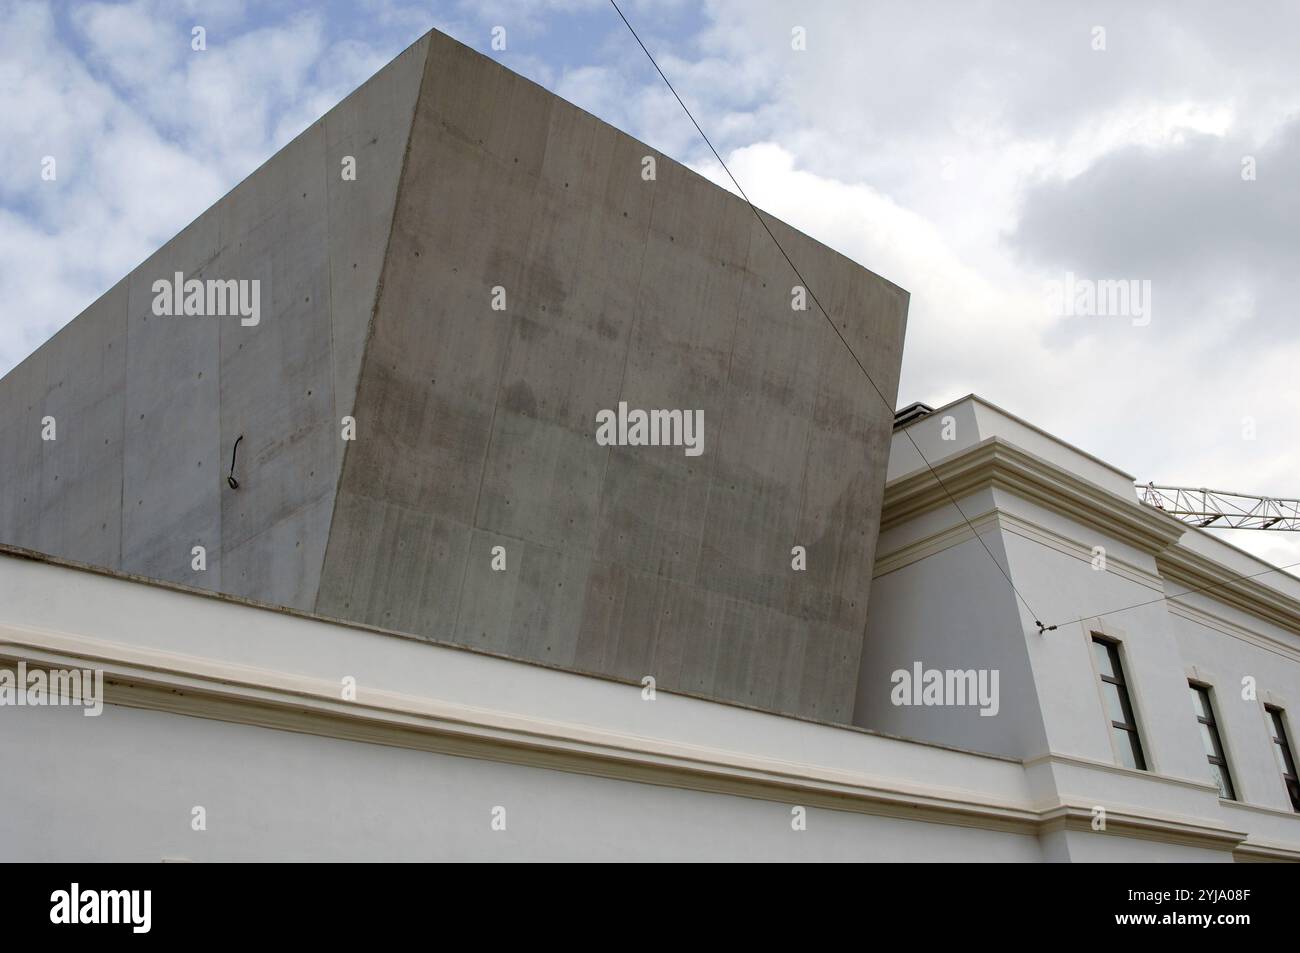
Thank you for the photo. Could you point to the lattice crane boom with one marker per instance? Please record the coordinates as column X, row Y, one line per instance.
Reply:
column 1220, row 509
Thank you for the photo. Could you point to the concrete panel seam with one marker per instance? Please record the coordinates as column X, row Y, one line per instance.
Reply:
column 622, row 380
column 713, row 464
column 374, row 308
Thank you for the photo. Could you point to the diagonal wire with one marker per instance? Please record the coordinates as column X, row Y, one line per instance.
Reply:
column 879, row 393
column 1185, row 592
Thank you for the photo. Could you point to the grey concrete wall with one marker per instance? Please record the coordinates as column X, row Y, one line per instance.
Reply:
column 148, row 407
column 477, row 426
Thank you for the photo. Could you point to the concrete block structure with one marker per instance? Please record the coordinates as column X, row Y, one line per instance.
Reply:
column 413, row 415
column 428, row 641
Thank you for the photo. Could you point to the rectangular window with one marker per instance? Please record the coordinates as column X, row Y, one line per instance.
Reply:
column 1123, row 725
column 1285, row 760
column 1211, row 741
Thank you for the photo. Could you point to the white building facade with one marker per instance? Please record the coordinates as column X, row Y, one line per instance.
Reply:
column 1152, row 618
column 236, row 731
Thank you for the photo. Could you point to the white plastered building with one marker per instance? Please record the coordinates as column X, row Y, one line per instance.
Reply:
column 242, row 715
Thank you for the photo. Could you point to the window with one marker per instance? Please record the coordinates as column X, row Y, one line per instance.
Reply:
column 1285, row 760
column 1210, row 739
column 1123, row 726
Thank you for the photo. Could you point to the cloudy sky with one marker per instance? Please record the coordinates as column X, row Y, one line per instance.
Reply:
column 971, row 152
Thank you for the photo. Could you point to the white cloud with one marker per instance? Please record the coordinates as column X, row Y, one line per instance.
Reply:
column 146, row 133
column 911, row 136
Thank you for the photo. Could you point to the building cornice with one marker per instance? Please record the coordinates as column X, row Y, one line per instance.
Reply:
column 1260, row 852
column 1233, row 629
column 209, row 688
column 950, row 536
column 158, row 680
column 995, row 463
column 1193, row 573
column 1077, row 817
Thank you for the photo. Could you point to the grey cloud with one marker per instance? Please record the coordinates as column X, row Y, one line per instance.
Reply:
column 1183, row 218
column 1171, row 212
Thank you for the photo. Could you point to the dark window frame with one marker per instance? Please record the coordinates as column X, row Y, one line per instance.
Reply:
column 1219, row 756
column 1277, row 720
column 1130, row 727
